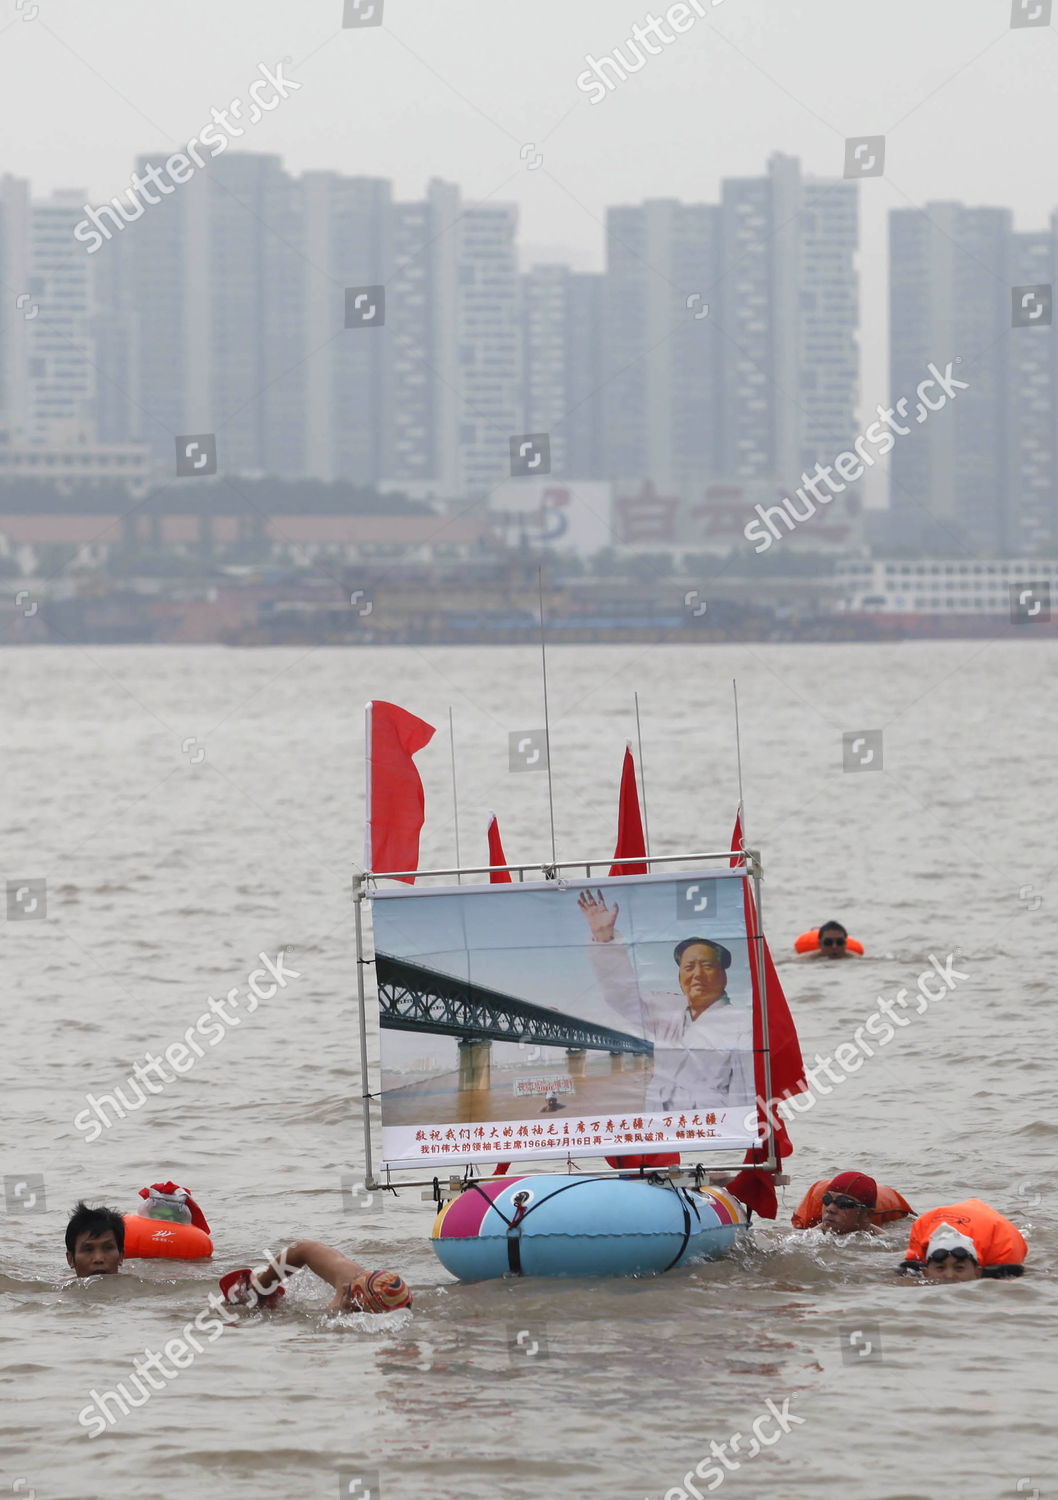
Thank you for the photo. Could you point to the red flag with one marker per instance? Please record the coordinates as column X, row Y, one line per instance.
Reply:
column 496, row 854
column 395, row 802
column 756, row 1189
column 630, row 840
column 497, row 877
column 633, row 1163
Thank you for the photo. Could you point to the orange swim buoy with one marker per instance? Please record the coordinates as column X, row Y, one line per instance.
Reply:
column 808, row 942
column 997, row 1240
column 148, row 1239
column 891, row 1206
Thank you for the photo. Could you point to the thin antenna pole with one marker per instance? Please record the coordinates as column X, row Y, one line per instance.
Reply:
column 455, row 791
column 547, row 716
column 642, row 777
column 361, row 998
column 738, row 753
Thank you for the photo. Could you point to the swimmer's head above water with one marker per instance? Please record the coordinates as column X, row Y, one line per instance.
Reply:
column 964, row 1241
column 952, row 1256
column 95, row 1241
column 849, row 1202
column 380, row 1291
column 833, row 940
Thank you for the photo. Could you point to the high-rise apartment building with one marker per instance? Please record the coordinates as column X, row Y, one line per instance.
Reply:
column 731, row 332
column 486, row 326
column 254, row 295
column 22, row 306
column 215, row 313
column 1030, row 510
column 950, row 298
column 662, row 364
column 61, row 375
column 718, row 348
column 829, row 298
column 226, row 307
column 422, row 288
column 562, row 366
column 342, row 402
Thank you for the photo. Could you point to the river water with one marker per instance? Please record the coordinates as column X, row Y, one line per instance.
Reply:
column 191, row 809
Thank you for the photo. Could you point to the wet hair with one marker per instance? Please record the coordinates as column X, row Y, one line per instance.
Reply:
column 94, row 1221
column 722, row 953
column 833, row 927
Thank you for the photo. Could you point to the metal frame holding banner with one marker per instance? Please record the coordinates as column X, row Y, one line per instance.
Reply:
column 564, row 1014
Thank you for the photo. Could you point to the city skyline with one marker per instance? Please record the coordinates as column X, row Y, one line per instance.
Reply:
column 576, row 323
column 221, row 305
column 456, row 92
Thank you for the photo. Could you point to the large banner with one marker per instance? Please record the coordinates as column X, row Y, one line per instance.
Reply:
column 559, row 1018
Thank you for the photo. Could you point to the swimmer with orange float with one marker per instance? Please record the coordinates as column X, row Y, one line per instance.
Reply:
column 355, row 1288
column 170, row 1225
column 964, row 1242
column 829, row 941
column 849, row 1203
column 96, row 1244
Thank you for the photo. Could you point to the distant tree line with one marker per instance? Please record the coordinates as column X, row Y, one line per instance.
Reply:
column 205, row 497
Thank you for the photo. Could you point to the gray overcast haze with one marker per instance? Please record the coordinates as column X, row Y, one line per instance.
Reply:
column 456, row 89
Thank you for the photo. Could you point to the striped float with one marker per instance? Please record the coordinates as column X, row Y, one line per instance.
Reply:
column 581, row 1226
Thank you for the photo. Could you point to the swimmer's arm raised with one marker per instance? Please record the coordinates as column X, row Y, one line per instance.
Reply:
column 327, row 1263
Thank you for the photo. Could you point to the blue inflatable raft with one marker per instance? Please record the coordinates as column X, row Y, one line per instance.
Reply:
column 581, row 1226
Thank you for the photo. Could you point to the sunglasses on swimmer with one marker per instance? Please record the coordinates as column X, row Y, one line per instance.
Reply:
column 833, row 942
column 842, row 1200
column 960, row 1252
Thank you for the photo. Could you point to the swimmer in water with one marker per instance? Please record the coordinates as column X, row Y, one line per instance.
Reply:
column 964, row 1242
column 355, row 1288
column 833, row 942
column 95, row 1241
column 951, row 1256
column 848, row 1204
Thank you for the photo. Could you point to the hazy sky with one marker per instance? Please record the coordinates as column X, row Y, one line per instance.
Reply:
column 456, row 89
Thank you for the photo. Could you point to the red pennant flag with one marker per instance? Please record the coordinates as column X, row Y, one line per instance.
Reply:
column 496, row 854
column 497, row 877
column 756, row 1189
column 395, row 801
column 630, row 840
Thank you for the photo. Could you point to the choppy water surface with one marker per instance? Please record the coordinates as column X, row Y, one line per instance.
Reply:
column 190, row 809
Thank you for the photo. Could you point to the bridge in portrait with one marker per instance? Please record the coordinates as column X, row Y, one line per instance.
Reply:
column 414, row 998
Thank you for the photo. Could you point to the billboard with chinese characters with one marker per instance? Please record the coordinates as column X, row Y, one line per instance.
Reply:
column 560, row 514
column 578, row 1018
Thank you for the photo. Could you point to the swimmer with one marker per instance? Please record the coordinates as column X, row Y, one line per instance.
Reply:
column 839, row 1205
column 849, row 1201
column 833, row 942
column 964, row 1242
column 95, row 1241
column 951, row 1256
column 355, row 1288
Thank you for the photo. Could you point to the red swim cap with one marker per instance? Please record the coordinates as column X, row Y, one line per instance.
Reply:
column 857, row 1185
